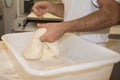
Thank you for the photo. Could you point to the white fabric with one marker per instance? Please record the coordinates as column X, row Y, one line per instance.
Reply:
column 118, row 1
column 95, row 2
column 79, row 8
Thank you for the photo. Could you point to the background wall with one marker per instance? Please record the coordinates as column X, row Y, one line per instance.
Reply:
column 1, row 20
column 9, row 16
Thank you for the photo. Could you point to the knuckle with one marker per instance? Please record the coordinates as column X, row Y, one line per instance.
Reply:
column 42, row 39
column 48, row 38
column 51, row 39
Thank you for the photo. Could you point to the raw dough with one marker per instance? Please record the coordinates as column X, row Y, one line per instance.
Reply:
column 47, row 16
column 41, row 50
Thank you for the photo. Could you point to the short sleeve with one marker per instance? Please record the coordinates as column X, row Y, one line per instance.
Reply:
column 95, row 3
column 118, row 1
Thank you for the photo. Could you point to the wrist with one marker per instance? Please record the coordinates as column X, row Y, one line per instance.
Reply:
column 65, row 26
column 52, row 7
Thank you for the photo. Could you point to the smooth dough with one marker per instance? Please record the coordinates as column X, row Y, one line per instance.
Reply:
column 41, row 50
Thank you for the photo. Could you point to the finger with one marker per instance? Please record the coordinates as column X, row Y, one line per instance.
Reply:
column 43, row 38
column 36, row 12
column 41, row 25
column 35, row 7
column 46, row 38
column 40, row 14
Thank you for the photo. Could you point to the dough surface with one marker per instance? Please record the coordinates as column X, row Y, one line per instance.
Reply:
column 41, row 50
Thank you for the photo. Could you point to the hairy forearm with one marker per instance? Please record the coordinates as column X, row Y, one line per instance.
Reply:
column 98, row 20
column 57, row 9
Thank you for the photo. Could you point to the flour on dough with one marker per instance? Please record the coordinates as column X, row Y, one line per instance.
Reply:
column 41, row 50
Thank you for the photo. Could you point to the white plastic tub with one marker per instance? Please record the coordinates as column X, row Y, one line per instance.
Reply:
column 79, row 60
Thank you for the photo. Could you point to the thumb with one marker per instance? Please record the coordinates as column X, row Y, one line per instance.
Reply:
column 41, row 25
column 43, row 38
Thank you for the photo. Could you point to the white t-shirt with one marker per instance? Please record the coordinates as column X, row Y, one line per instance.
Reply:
column 75, row 9
column 96, row 4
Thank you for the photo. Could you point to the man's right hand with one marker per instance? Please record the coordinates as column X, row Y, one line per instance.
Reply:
column 54, row 31
column 41, row 8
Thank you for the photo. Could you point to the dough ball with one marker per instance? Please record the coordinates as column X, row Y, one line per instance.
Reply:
column 41, row 50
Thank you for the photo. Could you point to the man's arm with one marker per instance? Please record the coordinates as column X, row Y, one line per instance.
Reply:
column 107, row 16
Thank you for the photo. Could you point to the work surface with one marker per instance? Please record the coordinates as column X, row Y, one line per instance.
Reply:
column 7, row 72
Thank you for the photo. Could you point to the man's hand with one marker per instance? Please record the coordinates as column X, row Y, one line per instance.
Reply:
column 54, row 31
column 41, row 8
